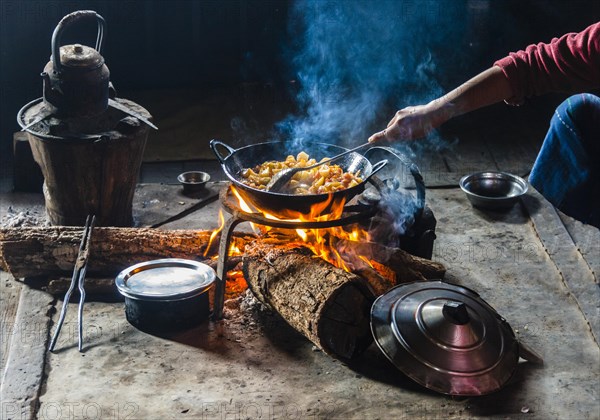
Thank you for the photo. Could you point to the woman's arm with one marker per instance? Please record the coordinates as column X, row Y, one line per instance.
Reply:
column 487, row 88
column 570, row 63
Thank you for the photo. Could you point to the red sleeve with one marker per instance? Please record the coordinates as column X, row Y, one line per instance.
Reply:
column 570, row 63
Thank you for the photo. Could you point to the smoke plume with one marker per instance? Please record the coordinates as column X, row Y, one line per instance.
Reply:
column 355, row 61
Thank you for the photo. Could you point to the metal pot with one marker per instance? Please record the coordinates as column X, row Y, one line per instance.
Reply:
column 279, row 203
column 166, row 295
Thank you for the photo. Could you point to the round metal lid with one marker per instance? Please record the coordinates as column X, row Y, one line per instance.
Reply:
column 80, row 56
column 166, row 279
column 445, row 337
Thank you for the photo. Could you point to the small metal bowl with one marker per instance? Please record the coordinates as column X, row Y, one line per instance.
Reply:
column 493, row 190
column 193, row 181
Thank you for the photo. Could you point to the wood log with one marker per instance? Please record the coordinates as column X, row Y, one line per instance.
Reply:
column 51, row 251
column 328, row 305
column 405, row 267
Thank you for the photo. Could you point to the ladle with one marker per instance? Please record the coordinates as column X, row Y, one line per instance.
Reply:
column 281, row 178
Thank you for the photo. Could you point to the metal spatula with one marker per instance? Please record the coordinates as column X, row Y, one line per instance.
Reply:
column 281, row 178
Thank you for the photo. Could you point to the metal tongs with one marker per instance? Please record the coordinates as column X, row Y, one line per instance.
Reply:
column 79, row 277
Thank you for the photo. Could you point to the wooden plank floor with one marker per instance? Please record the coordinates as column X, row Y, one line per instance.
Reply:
column 9, row 299
column 14, row 207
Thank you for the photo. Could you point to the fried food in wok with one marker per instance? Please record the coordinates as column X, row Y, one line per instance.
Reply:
column 323, row 179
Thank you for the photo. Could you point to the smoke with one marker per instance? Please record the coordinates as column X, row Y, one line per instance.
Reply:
column 357, row 61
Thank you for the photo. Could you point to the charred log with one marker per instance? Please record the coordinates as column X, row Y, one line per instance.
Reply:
column 395, row 265
column 51, row 251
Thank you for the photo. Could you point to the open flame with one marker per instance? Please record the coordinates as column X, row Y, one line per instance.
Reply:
column 215, row 233
column 320, row 241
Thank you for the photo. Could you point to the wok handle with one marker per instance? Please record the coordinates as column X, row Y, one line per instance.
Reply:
column 378, row 166
column 214, row 144
column 412, row 167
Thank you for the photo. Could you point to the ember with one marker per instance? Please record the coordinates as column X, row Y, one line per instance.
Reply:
column 236, row 284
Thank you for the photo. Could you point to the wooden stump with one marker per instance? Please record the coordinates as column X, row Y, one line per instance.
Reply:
column 92, row 176
column 328, row 305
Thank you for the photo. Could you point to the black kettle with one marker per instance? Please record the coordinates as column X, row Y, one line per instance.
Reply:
column 76, row 79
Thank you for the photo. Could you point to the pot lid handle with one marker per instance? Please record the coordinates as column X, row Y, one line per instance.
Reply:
column 68, row 20
column 456, row 312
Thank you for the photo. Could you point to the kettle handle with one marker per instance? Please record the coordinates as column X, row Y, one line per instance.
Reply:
column 68, row 20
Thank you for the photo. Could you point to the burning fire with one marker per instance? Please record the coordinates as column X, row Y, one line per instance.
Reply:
column 322, row 242
column 215, row 233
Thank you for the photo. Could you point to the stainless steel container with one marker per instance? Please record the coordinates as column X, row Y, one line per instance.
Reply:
column 493, row 190
column 166, row 295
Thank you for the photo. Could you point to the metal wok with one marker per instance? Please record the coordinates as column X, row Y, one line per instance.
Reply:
column 280, row 203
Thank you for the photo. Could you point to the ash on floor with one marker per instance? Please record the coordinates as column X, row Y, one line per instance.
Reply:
column 23, row 218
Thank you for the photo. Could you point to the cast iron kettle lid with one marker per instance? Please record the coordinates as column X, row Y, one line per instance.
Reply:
column 446, row 338
column 80, row 56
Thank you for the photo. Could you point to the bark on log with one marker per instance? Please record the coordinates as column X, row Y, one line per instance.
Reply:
column 328, row 305
column 28, row 252
column 406, row 267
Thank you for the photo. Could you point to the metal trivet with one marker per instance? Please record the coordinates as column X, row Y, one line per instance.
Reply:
column 353, row 213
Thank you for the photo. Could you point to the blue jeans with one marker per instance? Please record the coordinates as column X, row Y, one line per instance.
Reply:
column 567, row 169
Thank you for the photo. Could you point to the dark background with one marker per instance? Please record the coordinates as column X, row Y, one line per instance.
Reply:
column 157, row 44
